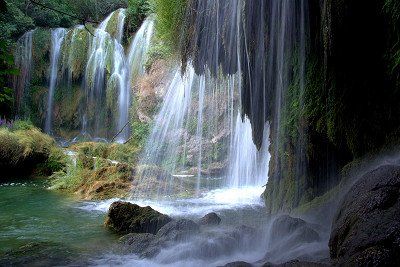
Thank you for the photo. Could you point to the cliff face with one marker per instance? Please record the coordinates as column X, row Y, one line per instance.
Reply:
column 351, row 91
column 324, row 74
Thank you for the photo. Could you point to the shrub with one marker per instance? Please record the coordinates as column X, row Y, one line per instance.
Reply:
column 25, row 151
column 135, row 14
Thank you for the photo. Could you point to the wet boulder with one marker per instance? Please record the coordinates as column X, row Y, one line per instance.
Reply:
column 147, row 245
column 297, row 238
column 296, row 263
column 294, row 230
column 210, row 219
column 178, row 230
column 225, row 242
column 366, row 228
column 125, row 217
column 144, row 245
column 238, row 264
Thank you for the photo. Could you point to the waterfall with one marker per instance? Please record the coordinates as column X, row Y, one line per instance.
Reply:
column 23, row 62
column 100, row 57
column 203, row 143
column 232, row 59
column 248, row 166
column 135, row 63
column 57, row 37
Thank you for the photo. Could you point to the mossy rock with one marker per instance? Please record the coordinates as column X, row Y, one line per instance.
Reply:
column 124, row 218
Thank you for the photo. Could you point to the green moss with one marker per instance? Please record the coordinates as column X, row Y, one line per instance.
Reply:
column 158, row 51
column 111, row 95
column 41, row 43
column 74, row 52
column 169, row 17
column 112, row 25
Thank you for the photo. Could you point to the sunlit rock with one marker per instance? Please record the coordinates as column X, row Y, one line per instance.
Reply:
column 124, row 217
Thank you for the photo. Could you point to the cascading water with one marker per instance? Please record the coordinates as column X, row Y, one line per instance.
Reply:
column 92, row 59
column 204, row 143
column 135, row 67
column 23, row 62
column 248, row 166
column 104, row 54
column 57, row 37
column 234, row 70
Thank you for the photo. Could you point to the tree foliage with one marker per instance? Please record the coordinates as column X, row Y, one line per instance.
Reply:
column 136, row 13
column 6, row 72
column 20, row 16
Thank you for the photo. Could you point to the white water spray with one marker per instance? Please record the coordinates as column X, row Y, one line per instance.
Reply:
column 57, row 37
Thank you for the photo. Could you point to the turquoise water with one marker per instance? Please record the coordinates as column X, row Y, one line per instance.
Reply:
column 30, row 213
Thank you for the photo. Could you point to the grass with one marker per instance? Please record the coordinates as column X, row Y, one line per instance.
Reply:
column 93, row 178
column 25, row 150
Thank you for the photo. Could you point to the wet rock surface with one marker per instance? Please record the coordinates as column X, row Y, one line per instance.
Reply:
column 295, row 263
column 298, row 240
column 38, row 254
column 296, row 229
column 125, row 217
column 147, row 245
column 366, row 228
column 178, row 230
column 185, row 237
column 288, row 232
column 238, row 264
column 210, row 219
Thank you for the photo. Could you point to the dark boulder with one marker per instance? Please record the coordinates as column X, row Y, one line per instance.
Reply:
column 295, row 230
column 296, row 263
column 294, row 238
column 178, row 230
column 366, row 228
column 145, row 245
column 238, row 264
column 210, row 219
column 125, row 217
column 225, row 242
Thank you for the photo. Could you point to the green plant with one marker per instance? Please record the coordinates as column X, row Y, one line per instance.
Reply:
column 6, row 72
column 136, row 12
column 169, row 15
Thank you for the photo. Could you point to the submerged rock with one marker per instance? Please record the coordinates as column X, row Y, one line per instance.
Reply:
column 125, row 217
column 210, row 219
column 39, row 254
column 366, row 229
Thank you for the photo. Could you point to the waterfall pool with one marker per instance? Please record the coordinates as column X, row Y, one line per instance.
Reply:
column 33, row 215
column 71, row 232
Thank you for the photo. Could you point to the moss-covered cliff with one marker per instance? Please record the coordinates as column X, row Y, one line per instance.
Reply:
column 351, row 99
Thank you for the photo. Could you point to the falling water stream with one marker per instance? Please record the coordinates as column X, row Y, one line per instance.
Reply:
column 57, row 37
column 107, row 77
column 23, row 61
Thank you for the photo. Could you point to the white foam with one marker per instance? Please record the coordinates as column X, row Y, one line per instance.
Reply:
column 215, row 200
